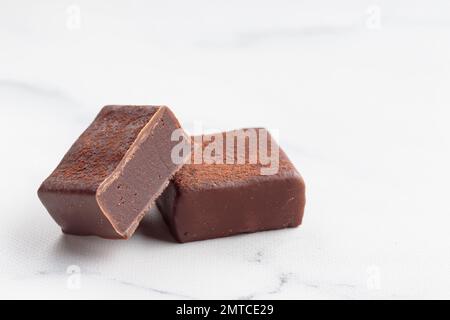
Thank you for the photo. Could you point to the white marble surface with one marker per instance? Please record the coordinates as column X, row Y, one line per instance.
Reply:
column 362, row 106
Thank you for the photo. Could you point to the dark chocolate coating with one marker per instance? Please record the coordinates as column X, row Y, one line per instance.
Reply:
column 205, row 201
column 113, row 173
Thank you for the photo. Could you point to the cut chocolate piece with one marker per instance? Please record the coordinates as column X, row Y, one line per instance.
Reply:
column 219, row 198
column 113, row 173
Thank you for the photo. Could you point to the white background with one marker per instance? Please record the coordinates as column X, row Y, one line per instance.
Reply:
column 359, row 91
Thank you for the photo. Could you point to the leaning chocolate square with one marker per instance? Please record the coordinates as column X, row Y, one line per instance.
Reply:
column 113, row 173
column 237, row 182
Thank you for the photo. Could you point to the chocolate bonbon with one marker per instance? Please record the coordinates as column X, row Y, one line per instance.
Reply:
column 216, row 197
column 113, row 173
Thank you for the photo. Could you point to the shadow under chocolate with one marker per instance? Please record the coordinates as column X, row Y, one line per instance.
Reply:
column 152, row 226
